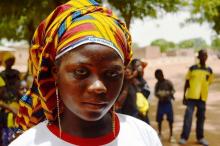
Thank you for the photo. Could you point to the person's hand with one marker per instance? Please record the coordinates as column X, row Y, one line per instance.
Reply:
column 184, row 101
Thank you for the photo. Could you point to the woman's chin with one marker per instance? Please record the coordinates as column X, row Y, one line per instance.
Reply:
column 92, row 116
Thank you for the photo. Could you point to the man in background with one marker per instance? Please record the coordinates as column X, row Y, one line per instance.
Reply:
column 195, row 95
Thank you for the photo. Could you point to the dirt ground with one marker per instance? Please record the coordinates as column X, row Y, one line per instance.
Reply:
column 175, row 69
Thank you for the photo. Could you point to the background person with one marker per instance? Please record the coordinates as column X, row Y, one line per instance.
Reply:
column 11, row 77
column 126, row 102
column 142, row 88
column 164, row 91
column 138, row 67
column 9, row 97
column 195, row 95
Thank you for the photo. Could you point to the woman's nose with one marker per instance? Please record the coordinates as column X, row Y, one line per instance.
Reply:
column 98, row 87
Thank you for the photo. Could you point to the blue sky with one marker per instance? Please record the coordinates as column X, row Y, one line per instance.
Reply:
column 168, row 27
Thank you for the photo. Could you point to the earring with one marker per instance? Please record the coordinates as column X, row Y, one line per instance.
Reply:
column 113, row 120
column 58, row 111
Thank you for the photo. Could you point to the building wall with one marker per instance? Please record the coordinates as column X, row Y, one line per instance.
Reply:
column 148, row 52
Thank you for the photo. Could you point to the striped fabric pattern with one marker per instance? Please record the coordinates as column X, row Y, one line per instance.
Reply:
column 70, row 25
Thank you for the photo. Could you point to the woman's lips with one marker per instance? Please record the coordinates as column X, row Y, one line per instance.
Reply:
column 94, row 105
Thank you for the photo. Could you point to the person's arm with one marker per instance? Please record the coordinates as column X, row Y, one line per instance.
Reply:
column 156, row 91
column 172, row 90
column 184, row 92
column 187, row 85
column 211, row 76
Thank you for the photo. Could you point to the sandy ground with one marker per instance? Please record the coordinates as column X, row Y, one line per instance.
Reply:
column 174, row 69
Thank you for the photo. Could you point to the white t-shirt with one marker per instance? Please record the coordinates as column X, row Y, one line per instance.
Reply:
column 133, row 132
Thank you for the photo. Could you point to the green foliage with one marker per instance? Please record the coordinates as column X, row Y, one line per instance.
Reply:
column 216, row 43
column 206, row 11
column 186, row 44
column 163, row 44
column 130, row 9
column 20, row 19
column 196, row 43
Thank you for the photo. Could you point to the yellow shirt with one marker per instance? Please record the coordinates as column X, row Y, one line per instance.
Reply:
column 2, row 82
column 11, row 117
column 199, row 80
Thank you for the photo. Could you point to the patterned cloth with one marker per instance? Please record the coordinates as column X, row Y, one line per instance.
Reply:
column 67, row 27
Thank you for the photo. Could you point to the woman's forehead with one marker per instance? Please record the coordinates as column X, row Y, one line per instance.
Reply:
column 93, row 52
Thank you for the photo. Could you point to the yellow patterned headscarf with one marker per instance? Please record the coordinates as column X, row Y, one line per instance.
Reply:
column 70, row 25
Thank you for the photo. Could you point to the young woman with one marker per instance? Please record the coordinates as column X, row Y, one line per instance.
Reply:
column 78, row 57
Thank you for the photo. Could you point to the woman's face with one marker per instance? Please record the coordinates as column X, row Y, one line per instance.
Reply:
column 138, row 66
column 89, row 80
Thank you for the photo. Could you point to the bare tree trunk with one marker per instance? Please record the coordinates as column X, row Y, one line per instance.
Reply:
column 128, row 22
column 31, row 30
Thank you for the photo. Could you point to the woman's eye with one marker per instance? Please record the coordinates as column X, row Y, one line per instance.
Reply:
column 112, row 74
column 81, row 72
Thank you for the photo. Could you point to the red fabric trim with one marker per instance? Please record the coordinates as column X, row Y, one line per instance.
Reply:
column 79, row 28
column 87, row 141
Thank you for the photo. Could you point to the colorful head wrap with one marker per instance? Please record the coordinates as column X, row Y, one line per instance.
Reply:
column 67, row 27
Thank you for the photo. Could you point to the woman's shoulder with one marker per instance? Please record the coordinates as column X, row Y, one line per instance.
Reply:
column 137, row 131
column 129, row 120
column 29, row 136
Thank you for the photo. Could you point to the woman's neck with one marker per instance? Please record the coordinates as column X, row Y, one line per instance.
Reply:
column 75, row 126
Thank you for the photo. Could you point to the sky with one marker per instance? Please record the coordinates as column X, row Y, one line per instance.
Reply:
column 168, row 27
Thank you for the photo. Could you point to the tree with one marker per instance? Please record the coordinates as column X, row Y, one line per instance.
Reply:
column 130, row 9
column 20, row 19
column 206, row 11
column 216, row 43
column 196, row 43
column 186, row 44
column 163, row 44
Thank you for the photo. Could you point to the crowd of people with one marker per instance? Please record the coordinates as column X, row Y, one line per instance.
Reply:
column 198, row 79
column 73, row 98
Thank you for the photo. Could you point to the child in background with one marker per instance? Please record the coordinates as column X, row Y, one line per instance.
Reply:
column 9, row 97
column 164, row 92
column 141, row 86
column 11, row 77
